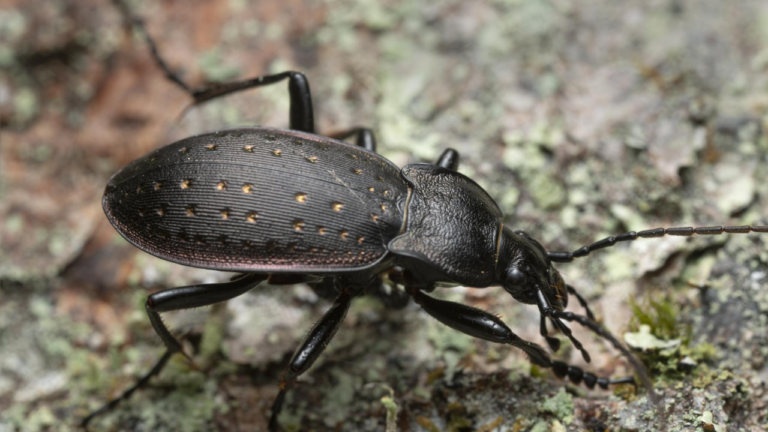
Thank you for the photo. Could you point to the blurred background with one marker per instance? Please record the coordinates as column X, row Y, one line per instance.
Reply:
column 582, row 120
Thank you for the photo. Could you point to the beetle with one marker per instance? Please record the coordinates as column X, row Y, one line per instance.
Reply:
column 290, row 205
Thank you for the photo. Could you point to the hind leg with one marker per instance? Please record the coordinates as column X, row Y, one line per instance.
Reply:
column 176, row 299
column 301, row 112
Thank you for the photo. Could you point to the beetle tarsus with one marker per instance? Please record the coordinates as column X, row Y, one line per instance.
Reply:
column 483, row 325
column 175, row 299
column 301, row 111
column 605, row 334
column 156, row 369
column 582, row 301
column 277, row 406
column 553, row 342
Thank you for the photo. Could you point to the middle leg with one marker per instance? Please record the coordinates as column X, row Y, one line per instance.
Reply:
column 449, row 159
column 310, row 349
column 364, row 137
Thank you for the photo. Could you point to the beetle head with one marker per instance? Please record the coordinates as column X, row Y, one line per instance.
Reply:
column 525, row 269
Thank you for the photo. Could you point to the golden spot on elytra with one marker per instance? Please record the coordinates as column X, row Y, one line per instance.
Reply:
column 222, row 185
column 343, row 234
column 224, row 214
column 210, row 147
column 386, row 193
column 298, row 225
column 374, row 217
column 311, row 159
column 301, row 197
column 161, row 211
column 158, row 185
column 357, row 171
column 186, row 184
column 248, row 148
column 321, row 230
column 138, row 190
column 383, row 207
column 352, row 156
column 337, row 206
column 183, row 150
column 371, row 189
column 191, row 211
column 247, row 188
column 277, row 152
column 360, row 240
column 251, row 217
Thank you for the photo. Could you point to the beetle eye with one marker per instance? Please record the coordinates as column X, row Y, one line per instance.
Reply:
column 515, row 276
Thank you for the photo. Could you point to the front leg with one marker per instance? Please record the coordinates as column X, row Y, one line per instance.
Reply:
column 483, row 325
column 557, row 315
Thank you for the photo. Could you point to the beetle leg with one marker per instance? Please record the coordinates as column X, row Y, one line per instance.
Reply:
column 483, row 325
column 553, row 342
column 547, row 310
column 364, row 137
column 582, row 302
column 301, row 113
column 389, row 294
column 302, row 116
column 310, row 349
column 191, row 297
column 449, row 159
column 175, row 299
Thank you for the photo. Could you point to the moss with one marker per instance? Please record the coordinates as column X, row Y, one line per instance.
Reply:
column 660, row 315
column 560, row 405
column 391, row 406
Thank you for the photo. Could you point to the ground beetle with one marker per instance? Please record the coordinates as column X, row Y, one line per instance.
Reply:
column 291, row 206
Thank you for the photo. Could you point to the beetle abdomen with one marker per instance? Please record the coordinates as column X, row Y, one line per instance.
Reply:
column 259, row 200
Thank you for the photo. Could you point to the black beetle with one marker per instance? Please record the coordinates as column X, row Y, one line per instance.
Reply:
column 289, row 206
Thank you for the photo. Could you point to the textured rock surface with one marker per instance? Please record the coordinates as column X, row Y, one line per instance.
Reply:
column 581, row 119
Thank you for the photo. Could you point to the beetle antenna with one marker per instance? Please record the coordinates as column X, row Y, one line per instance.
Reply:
column 658, row 232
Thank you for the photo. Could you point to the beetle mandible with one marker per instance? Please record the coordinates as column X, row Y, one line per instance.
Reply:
column 289, row 206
